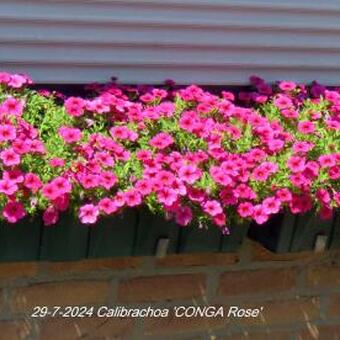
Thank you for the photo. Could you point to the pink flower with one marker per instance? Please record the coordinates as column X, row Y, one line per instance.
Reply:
column 107, row 179
column 144, row 186
column 161, row 140
column 189, row 173
column 260, row 174
column 167, row 196
column 259, row 215
column 7, row 133
column 306, row 127
column 119, row 132
column 10, row 157
column 32, row 182
column 221, row 220
column 88, row 214
column 212, row 208
column 15, row 176
column 327, row 161
column 302, row 147
column 132, row 198
column 323, row 196
column 12, row 106
column 287, row 85
column 283, row 102
column 75, row 106
column 271, row 205
column 50, row 191
column 107, row 205
column 62, row 202
column 219, row 176
column 284, row 195
column 183, row 216
column 104, row 158
column 57, row 162
column 245, row 209
column 296, row 163
column 326, row 212
column 50, row 216
column 13, row 212
column 62, row 185
column 17, row 81
column 8, row 187
column 70, row 135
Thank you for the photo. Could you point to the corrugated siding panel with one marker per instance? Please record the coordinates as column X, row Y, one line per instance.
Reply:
column 201, row 41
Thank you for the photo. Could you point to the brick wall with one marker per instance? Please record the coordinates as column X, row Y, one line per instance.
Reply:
column 299, row 293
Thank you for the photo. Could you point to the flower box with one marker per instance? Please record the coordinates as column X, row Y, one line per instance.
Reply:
column 294, row 233
column 134, row 233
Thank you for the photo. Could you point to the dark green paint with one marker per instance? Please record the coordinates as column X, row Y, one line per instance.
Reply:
column 66, row 240
column 151, row 228
column 114, row 236
column 20, row 241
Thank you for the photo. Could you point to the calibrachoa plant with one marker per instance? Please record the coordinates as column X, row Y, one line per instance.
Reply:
column 188, row 154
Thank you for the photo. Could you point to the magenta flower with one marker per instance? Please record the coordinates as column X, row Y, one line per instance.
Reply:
column 107, row 205
column 13, row 212
column 284, row 195
column 161, row 141
column 18, row 80
column 144, row 186
column 8, row 187
column 75, row 106
column 283, row 102
column 50, row 191
column 132, row 198
column 50, row 216
column 57, row 162
column 62, row 185
column 189, row 173
column 88, row 214
column 306, row 127
column 167, row 196
column 70, row 135
column 287, row 85
column 32, row 182
column 271, row 205
column 7, row 133
column 296, row 163
column 12, row 106
column 245, row 209
column 183, row 216
column 259, row 214
column 212, row 207
column 327, row 161
column 9, row 157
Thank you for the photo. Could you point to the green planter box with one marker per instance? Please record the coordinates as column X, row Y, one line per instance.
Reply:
column 133, row 233
column 294, row 233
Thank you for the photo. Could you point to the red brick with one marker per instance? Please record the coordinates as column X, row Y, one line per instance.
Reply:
column 93, row 265
column 324, row 276
column 204, row 259
column 59, row 294
column 14, row 330
column 10, row 271
column 334, row 306
column 89, row 328
column 173, row 325
column 260, row 335
column 327, row 332
column 257, row 281
column 281, row 312
column 161, row 288
column 259, row 253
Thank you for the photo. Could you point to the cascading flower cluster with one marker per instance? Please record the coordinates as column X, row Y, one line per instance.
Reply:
column 186, row 153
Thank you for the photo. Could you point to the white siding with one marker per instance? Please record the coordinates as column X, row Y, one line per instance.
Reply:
column 201, row 41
